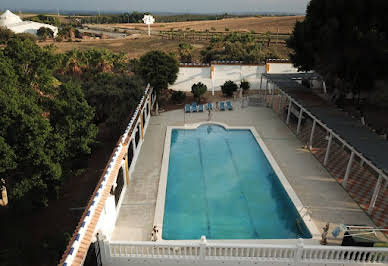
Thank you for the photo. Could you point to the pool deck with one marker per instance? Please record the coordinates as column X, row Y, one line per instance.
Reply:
column 325, row 199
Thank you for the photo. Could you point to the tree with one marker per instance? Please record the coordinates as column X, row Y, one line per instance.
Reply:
column 43, row 33
column 229, row 88
column 245, row 85
column 159, row 69
column 114, row 98
column 345, row 43
column 5, row 35
column 198, row 89
column 185, row 50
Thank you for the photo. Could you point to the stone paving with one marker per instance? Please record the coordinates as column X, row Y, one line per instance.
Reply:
column 318, row 191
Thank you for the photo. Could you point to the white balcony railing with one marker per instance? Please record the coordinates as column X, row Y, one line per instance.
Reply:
column 203, row 251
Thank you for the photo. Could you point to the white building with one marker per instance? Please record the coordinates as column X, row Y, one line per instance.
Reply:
column 17, row 25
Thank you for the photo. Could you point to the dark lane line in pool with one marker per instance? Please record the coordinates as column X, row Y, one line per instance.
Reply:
column 241, row 190
column 205, row 189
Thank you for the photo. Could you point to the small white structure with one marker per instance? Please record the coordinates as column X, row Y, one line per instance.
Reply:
column 148, row 20
column 17, row 25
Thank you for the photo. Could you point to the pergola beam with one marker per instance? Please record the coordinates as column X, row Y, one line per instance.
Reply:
column 375, row 194
column 312, row 135
column 348, row 169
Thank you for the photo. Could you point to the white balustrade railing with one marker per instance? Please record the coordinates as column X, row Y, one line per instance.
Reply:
column 201, row 250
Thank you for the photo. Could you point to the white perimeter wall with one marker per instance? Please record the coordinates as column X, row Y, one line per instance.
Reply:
column 187, row 76
column 278, row 68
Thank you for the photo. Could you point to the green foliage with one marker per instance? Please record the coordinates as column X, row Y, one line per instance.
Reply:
column 245, row 85
column 236, row 47
column 159, row 69
column 5, row 35
column 226, row 29
column 198, row 89
column 43, row 33
column 26, row 36
column 46, row 20
column 178, row 97
column 134, row 17
column 45, row 128
column 114, row 98
column 229, row 88
column 213, row 28
column 185, row 50
column 345, row 43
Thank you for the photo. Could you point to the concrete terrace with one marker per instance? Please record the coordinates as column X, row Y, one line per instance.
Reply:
column 326, row 200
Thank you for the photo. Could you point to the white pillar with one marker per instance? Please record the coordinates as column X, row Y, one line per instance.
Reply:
column 273, row 95
column 348, row 169
column 202, row 248
column 280, row 103
column 134, row 145
column 375, row 194
column 289, row 111
column 299, row 120
column 312, row 134
column 261, row 81
column 328, row 149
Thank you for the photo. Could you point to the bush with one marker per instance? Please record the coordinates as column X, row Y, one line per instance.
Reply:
column 5, row 35
column 43, row 33
column 213, row 28
column 178, row 97
column 229, row 88
column 26, row 36
column 245, row 85
column 226, row 29
column 198, row 89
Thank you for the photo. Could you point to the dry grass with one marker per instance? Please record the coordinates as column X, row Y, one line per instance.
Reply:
column 133, row 47
column 258, row 24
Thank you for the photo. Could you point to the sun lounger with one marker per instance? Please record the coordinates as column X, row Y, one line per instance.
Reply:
column 200, row 108
column 222, row 106
column 187, row 108
column 229, row 105
column 194, row 107
column 210, row 106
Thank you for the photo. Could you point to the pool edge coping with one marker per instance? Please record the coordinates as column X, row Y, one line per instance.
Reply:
column 161, row 196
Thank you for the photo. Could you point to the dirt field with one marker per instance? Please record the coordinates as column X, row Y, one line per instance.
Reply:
column 136, row 47
column 258, row 24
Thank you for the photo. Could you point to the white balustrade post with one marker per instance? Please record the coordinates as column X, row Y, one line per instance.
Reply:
column 299, row 120
column 375, row 194
column 202, row 248
column 273, row 95
column 299, row 251
column 134, row 145
column 280, row 103
column 289, row 111
column 261, row 81
column 328, row 150
column 312, row 134
column 348, row 169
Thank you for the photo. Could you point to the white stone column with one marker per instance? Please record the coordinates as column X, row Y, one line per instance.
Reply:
column 289, row 111
column 328, row 150
column 312, row 134
column 299, row 120
column 348, row 169
column 375, row 194
column 280, row 103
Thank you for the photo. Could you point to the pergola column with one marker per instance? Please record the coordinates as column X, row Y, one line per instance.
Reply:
column 328, row 150
column 375, row 194
column 280, row 103
column 141, row 125
column 289, row 111
column 273, row 95
column 150, row 104
column 348, row 169
column 126, row 169
column 299, row 120
column 312, row 134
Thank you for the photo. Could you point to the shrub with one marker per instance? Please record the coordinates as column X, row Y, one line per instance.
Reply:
column 213, row 28
column 229, row 88
column 178, row 97
column 26, row 36
column 43, row 33
column 226, row 29
column 245, row 85
column 198, row 89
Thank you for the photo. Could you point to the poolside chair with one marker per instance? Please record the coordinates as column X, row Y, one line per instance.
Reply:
column 200, row 108
column 194, row 107
column 210, row 106
column 229, row 105
column 187, row 108
column 222, row 106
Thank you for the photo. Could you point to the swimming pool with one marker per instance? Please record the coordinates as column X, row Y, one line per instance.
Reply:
column 221, row 185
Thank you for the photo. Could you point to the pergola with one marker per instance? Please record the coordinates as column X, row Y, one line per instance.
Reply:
column 359, row 140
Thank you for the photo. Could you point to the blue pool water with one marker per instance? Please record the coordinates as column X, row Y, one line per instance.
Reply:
column 221, row 185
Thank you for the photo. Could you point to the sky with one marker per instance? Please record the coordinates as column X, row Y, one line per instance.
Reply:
column 194, row 6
